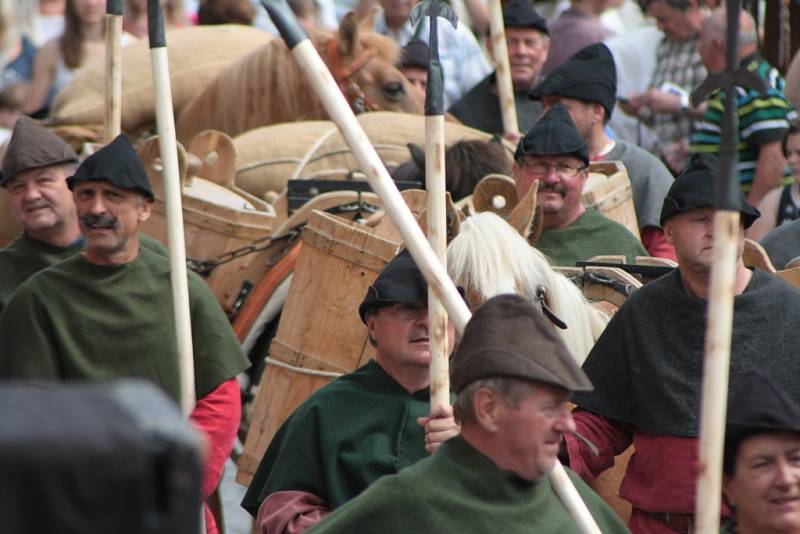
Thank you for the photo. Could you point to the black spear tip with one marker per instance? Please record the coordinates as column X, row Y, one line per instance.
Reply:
column 114, row 7
column 155, row 24
column 286, row 22
column 433, row 8
column 434, row 92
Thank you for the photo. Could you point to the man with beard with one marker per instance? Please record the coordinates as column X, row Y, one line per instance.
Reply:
column 362, row 426
column 647, row 366
column 106, row 313
column 555, row 154
column 34, row 172
column 528, row 44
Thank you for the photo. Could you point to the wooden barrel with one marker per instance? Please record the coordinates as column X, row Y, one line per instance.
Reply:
column 320, row 334
column 217, row 220
column 609, row 191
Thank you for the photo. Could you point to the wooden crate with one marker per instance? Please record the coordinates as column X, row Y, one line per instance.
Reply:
column 320, row 329
column 609, row 191
column 216, row 220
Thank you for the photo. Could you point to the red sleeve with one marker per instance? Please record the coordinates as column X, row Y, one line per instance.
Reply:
column 610, row 438
column 217, row 416
column 289, row 512
column 656, row 244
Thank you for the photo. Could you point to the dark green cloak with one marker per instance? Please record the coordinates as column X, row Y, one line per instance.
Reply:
column 25, row 256
column 80, row 321
column 591, row 235
column 348, row 434
column 459, row 489
column 647, row 366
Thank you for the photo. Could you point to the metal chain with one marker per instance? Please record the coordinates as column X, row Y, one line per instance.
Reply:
column 205, row 267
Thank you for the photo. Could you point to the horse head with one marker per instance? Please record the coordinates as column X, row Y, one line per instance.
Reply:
column 363, row 64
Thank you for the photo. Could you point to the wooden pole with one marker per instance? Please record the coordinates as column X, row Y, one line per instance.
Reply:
column 723, row 278
column 437, row 237
column 339, row 110
column 382, row 184
column 168, row 146
column 715, row 370
column 439, row 368
column 505, row 88
column 113, row 115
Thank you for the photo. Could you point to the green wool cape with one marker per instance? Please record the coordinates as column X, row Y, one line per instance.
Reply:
column 592, row 234
column 348, row 434
column 459, row 489
column 80, row 321
column 25, row 256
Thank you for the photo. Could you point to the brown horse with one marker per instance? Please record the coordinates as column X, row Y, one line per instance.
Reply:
column 268, row 87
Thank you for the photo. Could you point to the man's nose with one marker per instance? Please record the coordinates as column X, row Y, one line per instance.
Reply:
column 786, row 474
column 32, row 192
column 565, row 423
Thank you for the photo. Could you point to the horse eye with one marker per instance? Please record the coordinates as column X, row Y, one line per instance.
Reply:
column 394, row 90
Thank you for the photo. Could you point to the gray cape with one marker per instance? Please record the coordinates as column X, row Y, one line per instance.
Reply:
column 647, row 366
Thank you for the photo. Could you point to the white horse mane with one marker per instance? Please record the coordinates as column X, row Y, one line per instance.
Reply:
column 490, row 257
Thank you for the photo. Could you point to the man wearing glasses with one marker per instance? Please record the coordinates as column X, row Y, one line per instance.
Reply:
column 555, row 154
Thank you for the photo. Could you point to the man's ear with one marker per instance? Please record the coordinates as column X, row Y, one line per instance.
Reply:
column 487, row 406
column 145, row 210
column 668, row 235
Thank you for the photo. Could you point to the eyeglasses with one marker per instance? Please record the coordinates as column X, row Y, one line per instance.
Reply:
column 562, row 168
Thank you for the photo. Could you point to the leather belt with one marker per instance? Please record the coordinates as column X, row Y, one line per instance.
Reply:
column 682, row 523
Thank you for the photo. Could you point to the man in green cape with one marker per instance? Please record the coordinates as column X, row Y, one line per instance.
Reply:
column 362, row 426
column 34, row 172
column 106, row 312
column 554, row 154
column 514, row 378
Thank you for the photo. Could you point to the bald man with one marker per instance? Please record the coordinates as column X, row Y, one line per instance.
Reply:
column 763, row 119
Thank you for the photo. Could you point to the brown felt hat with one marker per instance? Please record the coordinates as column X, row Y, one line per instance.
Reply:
column 33, row 146
column 509, row 337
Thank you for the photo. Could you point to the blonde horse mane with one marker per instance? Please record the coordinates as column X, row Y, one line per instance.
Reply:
column 269, row 85
column 490, row 257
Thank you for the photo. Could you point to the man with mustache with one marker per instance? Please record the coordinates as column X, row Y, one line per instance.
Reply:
column 106, row 312
column 514, row 378
column 647, row 365
column 363, row 425
column 34, row 172
column 555, row 154
column 587, row 86
column 528, row 44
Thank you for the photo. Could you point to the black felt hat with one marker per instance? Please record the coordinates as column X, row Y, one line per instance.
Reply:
column 509, row 337
column 116, row 162
column 553, row 135
column 521, row 14
column 694, row 188
column 758, row 406
column 33, row 146
column 590, row 75
column 415, row 54
column 401, row 281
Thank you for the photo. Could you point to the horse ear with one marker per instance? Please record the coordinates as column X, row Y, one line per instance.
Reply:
column 454, row 217
column 348, row 34
column 417, row 154
column 523, row 216
column 366, row 19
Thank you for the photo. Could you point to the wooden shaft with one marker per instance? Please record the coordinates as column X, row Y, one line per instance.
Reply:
column 177, row 247
column 113, row 112
column 437, row 237
column 339, row 110
column 715, row 370
column 505, row 89
column 572, row 500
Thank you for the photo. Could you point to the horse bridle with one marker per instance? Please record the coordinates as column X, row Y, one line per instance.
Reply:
column 343, row 74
